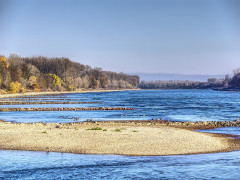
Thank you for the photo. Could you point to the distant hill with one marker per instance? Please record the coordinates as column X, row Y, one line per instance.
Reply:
column 182, row 77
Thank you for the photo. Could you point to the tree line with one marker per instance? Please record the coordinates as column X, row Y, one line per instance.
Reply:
column 18, row 74
column 228, row 83
column 234, row 82
column 177, row 84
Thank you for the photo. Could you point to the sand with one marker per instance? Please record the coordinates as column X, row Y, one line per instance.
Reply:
column 61, row 92
column 131, row 140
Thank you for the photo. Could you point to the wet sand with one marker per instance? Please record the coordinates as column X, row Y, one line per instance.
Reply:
column 112, row 138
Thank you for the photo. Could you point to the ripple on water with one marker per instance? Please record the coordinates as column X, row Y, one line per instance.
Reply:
column 182, row 105
column 41, row 165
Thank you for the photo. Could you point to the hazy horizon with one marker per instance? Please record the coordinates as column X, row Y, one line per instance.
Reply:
column 176, row 77
column 182, row 74
column 154, row 36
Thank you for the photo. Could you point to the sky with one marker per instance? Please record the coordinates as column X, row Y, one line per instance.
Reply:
column 150, row 36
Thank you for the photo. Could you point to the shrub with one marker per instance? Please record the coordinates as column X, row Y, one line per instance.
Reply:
column 22, row 90
column 32, row 80
column 56, row 80
column 15, row 87
column 118, row 130
column 96, row 128
column 35, row 87
column 3, row 61
column 2, row 91
column 70, row 87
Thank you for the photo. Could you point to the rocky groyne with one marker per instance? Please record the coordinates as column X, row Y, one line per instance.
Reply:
column 67, row 109
column 43, row 102
column 178, row 124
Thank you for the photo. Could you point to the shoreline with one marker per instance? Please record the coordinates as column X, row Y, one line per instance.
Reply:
column 62, row 92
column 112, row 138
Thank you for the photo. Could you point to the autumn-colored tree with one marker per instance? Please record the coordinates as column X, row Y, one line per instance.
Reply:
column 32, row 80
column 0, row 80
column 85, row 82
column 15, row 87
column 56, row 80
column 15, row 74
column 4, row 72
column 4, row 62
column 58, row 74
column 35, row 87
column 69, row 84
column 33, row 84
column 42, row 81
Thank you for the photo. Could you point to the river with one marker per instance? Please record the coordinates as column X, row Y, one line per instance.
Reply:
column 179, row 105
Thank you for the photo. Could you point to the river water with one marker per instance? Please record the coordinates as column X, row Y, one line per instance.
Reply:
column 184, row 105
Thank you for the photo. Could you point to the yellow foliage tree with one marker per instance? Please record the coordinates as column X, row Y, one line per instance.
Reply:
column 36, row 87
column 33, row 83
column 98, row 84
column 56, row 80
column 3, row 61
column 15, row 87
column 32, row 80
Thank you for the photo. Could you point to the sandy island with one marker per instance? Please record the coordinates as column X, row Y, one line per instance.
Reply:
column 112, row 138
column 135, row 138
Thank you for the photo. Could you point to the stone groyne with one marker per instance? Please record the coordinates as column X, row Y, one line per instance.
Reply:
column 66, row 109
column 46, row 102
column 178, row 124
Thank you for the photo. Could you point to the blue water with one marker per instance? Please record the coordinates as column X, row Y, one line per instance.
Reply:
column 188, row 105
column 42, row 165
column 180, row 105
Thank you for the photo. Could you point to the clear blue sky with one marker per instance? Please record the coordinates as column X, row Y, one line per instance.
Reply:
column 157, row 36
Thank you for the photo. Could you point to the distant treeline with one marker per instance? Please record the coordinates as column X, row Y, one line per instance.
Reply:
column 176, row 85
column 213, row 83
column 18, row 74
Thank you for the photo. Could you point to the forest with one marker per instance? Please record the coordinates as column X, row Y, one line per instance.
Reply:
column 20, row 74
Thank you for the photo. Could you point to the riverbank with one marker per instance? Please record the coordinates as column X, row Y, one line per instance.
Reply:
column 61, row 92
column 111, row 138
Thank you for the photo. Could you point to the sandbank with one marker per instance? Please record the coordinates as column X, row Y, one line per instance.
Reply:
column 112, row 138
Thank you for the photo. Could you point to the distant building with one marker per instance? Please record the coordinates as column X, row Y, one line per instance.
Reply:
column 226, row 81
column 212, row 80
